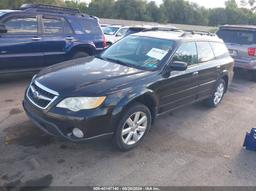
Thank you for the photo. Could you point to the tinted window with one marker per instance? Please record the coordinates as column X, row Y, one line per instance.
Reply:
column 205, row 52
column 139, row 52
column 21, row 26
column 90, row 27
column 122, row 31
column 110, row 30
column 219, row 49
column 237, row 36
column 56, row 26
column 187, row 52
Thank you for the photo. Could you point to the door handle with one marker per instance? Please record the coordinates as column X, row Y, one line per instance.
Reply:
column 218, row 67
column 36, row 38
column 195, row 73
column 70, row 38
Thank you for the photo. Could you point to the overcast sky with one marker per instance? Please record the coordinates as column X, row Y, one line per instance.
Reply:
column 205, row 3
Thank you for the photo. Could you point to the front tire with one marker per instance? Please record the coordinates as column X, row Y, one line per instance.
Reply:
column 133, row 126
column 218, row 94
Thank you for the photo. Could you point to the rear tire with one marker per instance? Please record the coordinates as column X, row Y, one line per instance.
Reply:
column 80, row 55
column 133, row 126
column 217, row 95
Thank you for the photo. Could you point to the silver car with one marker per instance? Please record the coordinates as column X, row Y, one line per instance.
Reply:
column 241, row 42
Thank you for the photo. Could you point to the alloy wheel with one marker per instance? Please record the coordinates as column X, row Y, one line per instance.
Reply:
column 218, row 95
column 134, row 128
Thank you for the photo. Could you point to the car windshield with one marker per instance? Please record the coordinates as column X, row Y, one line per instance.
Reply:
column 237, row 36
column 110, row 30
column 139, row 52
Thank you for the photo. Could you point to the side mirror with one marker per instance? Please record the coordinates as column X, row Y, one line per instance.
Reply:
column 3, row 29
column 178, row 66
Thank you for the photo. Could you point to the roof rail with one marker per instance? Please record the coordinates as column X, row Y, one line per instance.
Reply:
column 162, row 29
column 50, row 8
column 190, row 32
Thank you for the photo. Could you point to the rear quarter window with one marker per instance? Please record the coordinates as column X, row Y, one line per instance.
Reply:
column 90, row 26
column 219, row 49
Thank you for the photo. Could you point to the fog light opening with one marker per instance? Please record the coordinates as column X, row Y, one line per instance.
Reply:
column 78, row 133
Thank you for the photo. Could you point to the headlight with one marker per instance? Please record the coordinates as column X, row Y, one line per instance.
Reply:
column 81, row 103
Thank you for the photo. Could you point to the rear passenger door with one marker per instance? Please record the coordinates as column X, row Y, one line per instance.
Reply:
column 208, row 69
column 57, row 38
column 181, row 87
column 20, row 47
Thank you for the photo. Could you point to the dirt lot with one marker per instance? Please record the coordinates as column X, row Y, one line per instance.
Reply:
column 194, row 146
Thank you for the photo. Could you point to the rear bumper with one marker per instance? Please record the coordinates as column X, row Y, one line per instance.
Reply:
column 62, row 126
column 245, row 64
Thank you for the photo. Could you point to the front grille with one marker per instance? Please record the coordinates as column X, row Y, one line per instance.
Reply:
column 40, row 95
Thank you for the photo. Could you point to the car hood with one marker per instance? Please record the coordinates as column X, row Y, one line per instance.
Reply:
column 88, row 76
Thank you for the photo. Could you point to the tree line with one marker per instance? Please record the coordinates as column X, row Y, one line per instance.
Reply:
column 170, row 11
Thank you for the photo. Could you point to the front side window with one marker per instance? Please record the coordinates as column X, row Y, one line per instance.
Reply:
column 25, row 25
column 139, row 52
column 56, row 26
column 187, row 52
column 205, row 52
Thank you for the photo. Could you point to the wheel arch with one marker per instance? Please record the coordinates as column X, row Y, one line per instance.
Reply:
column 147, row 98
column 88, row 48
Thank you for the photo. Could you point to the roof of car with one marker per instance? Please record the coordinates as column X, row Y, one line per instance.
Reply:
column 180, row 35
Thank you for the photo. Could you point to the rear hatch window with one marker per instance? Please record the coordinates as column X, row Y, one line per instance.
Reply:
column 237, row 36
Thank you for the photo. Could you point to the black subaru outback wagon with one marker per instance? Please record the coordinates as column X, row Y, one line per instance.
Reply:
column 123, row 90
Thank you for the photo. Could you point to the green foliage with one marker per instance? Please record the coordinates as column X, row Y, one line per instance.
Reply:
column 170, row 11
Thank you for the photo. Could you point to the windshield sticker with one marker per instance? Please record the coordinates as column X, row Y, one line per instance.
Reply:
column 156, row 53
column 151, row 63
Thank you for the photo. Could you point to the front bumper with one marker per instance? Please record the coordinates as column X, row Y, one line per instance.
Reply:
column 62, row 126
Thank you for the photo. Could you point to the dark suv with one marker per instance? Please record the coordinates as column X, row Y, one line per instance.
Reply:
column 121, row 91
column 36, row 36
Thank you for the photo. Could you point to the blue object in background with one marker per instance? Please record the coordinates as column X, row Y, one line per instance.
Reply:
column 250, row 140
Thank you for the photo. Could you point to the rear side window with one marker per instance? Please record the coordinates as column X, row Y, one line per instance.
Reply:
column 186, row 53
column 56, row 26
column 24, row 25
column 90, row 27
column 237, row 36
column 219, row 49
column 205, row 52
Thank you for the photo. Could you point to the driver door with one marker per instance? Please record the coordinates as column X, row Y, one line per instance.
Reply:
column 181, row 87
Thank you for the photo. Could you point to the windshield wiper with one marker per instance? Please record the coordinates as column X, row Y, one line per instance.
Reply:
column 115, row 61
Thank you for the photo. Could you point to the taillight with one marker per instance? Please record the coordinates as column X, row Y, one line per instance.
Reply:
column 104, row 42
column 252, row 51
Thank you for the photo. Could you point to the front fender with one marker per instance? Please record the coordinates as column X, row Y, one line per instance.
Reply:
column 132, row 96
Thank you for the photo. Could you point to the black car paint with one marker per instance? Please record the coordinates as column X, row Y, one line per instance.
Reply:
column 160, row 90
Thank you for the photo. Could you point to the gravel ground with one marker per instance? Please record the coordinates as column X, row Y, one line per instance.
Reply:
column 193, row 146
